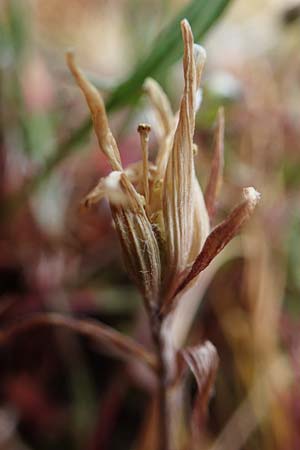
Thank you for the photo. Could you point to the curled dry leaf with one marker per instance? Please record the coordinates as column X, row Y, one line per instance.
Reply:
column 203, row 362
column 222, row 234
column 120, row 345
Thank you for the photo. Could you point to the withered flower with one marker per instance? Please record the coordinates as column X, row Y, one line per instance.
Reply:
column 160, row 214
column 163, row 222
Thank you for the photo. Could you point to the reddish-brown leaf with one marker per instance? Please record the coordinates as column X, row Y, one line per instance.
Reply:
column 203, row 362
column 120, row 345
column 222, row 234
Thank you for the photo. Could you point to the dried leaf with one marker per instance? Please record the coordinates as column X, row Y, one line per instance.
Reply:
column 161, row 105
column 166, row 125
column 216, row 173
column 121, row 345
column 139, row 244
column 144, row 130
column 94, row 100
column 222, row 234
column 203, row 362
column 178, row 186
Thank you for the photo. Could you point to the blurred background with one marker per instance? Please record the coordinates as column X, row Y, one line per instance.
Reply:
column 61, row 391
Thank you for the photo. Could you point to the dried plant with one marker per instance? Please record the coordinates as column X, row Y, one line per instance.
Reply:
column 162, row 219
column 164, row 225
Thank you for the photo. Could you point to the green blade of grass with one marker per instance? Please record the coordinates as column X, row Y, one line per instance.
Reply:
column 166, row 49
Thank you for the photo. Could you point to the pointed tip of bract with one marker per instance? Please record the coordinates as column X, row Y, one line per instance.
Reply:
column 251, row 195
column 199, row 51
column 70, row 56
column 185, row 23
column 187, row 34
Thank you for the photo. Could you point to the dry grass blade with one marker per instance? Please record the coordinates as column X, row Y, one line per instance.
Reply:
column 216, row 173
column 178, row 186
column 166, row 122
column 203, row 362
column 222, row 234
column 144, row 131
column 161, row 105
column 120, row 345
column 94, row 100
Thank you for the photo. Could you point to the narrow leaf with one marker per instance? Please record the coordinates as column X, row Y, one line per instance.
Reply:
column 178, row 183
column 121, row 345
column 95, row 102
column 161, row 105
column 144, row 131
column 203, row 362
column 222, row 234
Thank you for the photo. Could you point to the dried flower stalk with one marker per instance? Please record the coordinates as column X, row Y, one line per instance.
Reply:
column 163, row 223
column 161, row 217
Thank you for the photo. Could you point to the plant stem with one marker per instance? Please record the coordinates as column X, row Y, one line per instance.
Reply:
column 165, row 437
column 164, row 416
